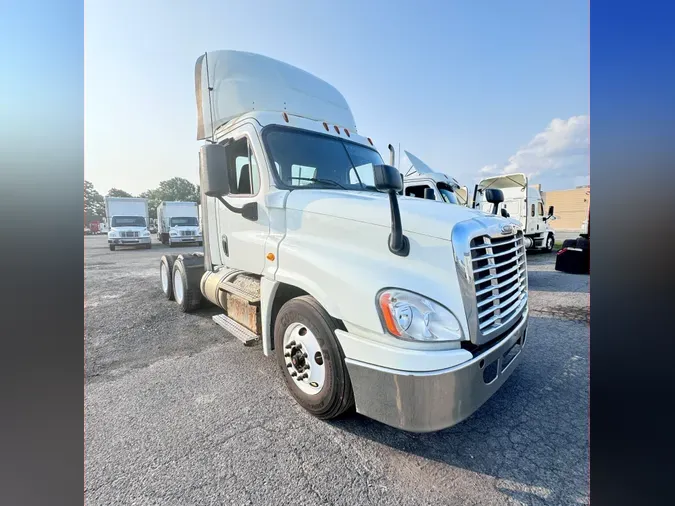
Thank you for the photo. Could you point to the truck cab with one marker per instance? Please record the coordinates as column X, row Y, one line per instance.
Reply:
column 128, row 218
column 410, row 312
column 178, row 223
column 522, row 203
column 421, row 178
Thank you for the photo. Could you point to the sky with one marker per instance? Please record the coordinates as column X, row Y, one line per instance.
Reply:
column 470, row 87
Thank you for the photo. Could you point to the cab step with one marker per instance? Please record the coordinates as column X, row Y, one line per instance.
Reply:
column 239, row 331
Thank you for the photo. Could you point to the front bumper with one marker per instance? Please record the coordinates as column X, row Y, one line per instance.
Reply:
column 430, row 401
column 186, row 238
column 129, row 241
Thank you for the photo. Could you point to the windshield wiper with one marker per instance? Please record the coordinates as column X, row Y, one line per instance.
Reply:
column 315, row 180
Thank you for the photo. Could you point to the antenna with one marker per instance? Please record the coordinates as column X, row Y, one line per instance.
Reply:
column 210, row 88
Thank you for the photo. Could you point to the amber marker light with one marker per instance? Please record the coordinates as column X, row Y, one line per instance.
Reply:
column 385, row 300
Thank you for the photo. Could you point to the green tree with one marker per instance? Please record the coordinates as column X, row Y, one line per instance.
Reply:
column 115, row 192
column 94, row 205
column 179, row 189
column 154, row 199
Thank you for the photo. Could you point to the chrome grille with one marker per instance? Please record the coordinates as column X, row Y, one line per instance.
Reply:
column 187, row 233
column 500, row 280
column 128, row 234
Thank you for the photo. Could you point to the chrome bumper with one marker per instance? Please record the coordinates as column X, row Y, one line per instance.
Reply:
column 124, row 241
column 430, row 401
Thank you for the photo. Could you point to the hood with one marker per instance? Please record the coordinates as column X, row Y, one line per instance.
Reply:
column 432, row 218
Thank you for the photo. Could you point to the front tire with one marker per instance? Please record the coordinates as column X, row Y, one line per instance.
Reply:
column 112, row 247
column 549, row 243
column 304, row 335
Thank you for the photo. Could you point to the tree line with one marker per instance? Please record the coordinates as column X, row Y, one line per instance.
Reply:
column 174, row 189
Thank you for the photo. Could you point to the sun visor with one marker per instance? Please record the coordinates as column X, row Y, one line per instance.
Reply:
column 242, row 82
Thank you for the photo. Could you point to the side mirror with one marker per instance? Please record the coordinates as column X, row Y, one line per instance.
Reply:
column 505, row 213
column 213, row 170
column 495, row 197
column 387, row 178
column 550, row 210
column 429, row 194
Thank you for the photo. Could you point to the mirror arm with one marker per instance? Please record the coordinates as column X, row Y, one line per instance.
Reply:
column 398, row 243
column 253, row 216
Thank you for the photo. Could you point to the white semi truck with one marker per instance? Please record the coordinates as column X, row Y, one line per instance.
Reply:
column 423, row 182
column 410, row 312
column 128, row 218
column 178, row 223
column 523, row 203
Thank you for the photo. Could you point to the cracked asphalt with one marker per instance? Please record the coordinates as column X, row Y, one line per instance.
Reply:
column 177, row 412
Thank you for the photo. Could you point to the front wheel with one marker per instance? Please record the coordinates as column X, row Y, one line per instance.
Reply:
column 112, row 247
column 549, row 243
column 311, row 359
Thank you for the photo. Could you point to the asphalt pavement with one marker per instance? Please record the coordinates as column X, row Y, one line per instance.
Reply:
column 179, row 412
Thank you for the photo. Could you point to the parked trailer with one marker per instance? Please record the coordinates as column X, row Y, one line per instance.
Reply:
column 413, row 313
column 178, row 223
column 128, row 218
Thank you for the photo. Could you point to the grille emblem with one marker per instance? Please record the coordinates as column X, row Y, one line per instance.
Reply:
column 507, row 229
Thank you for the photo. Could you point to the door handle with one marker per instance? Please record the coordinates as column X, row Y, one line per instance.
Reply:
column 225, row 250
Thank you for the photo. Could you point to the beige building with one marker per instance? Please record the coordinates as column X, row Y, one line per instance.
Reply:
column 571, row 207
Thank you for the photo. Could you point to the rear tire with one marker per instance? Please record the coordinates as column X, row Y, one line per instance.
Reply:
column 335, row 395
column 166, row 275
column 112, row 247
column 187, row 273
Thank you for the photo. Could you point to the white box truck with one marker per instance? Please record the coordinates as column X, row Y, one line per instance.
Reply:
column 128, row 219
column 522, row 203
column 411, row 312
column 178, row 223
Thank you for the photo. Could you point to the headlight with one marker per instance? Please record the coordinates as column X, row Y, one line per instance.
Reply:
column 173, row 234
column 145, row 233
column 112, row 234
column 407, row 315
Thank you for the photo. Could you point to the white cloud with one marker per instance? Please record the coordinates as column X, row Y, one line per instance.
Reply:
column 559, row 153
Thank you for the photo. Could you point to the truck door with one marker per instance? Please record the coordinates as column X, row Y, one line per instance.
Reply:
column 242, row 241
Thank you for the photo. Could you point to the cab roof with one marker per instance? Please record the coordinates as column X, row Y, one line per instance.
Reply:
column 242, row 82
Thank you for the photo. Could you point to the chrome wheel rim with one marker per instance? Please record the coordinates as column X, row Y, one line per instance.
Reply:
column 304, row 358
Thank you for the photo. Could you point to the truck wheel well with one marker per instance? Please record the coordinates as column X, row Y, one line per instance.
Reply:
column 285, row 293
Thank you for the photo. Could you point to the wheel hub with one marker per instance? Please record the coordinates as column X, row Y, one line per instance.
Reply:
column 304, row 358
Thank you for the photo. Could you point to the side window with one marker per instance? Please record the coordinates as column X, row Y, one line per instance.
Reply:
column 300, row 174
column 532, row 210
column 245, row 180
column 541, row 209
column 416, row 191
column 362, row 174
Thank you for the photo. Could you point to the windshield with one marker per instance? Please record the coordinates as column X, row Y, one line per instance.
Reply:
column 184, row 222
column 128, row 221
column 305, row 160
column 447, row 194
